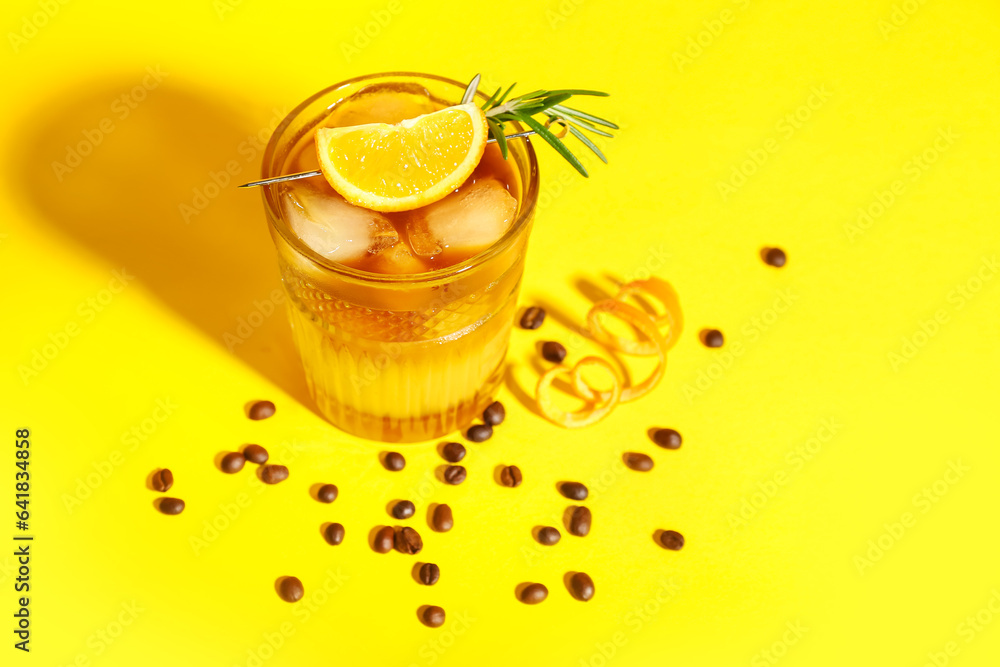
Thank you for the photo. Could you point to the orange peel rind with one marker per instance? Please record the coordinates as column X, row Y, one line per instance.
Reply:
column 663, row 292
column 645, row 325
column 600, row 408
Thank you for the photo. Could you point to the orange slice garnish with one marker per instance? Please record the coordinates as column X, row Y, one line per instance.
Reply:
column 404, row 166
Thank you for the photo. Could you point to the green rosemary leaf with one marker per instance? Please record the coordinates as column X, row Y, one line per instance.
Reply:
column 587, row 116
column 554, row 141
column 487, row 103
column 470, row 90
column 496, row 129
column 580, row 122
column 504, row 96
column 576, row 91
column 587, row 142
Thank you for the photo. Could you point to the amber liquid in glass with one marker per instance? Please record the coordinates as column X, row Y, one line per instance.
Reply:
column 403, row 360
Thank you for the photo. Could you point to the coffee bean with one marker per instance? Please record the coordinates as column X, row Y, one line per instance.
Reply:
column 579, row 521
column 510, row 476
column 534, row 593
column 574, row 490
column 712, row 338
column 479, row 432
column 327, row 493
column 453, row 452
column 232, row 462
column 775, row 257
column 494, row 414
column 171, row 505
column 433, row 617
column 261, row 410
column 442, row 520
column 671, row 539
column 255, row 454
column 637, row 461
column 291, row 589
column 408, row 541
column 581, row 586
column 273, row 473
column 334, row 533
column 404, row 509
column 532, row 318
column 667, row 438
column 429, row 574
column 553, row 351
column 454, row 474
column 549, row 536
column 394, row 461
column 163, row 479
column 384, row 539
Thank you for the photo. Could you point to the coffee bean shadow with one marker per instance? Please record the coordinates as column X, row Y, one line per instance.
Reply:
column 657, row 534
column 430, row 517
column 322, row 531
column 415, row 573
column 217, row 460
column 372, row 534
column 277, row 586
column 389, row 505
column 519, row 589
column 439, row 448
column 136, row 175
column 534, row 533
column 496, row 473
column 314, row 491
column 568, row 518
column 569, row 587
column 420, row 613
column 149, row 479
column 439, row 472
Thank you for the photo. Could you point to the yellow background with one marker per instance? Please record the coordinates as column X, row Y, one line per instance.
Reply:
column 773, row 540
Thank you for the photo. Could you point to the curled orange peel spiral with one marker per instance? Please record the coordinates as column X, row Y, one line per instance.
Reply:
column 599, row 408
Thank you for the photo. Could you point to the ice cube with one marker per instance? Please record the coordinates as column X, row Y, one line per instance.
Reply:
column 334, row 228
column 465, row 222
column 397, row 259
column 382, row 103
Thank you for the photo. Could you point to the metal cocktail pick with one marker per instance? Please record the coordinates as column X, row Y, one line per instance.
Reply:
column 310, row 174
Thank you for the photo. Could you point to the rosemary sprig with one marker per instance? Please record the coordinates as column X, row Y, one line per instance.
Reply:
column 522, row 109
